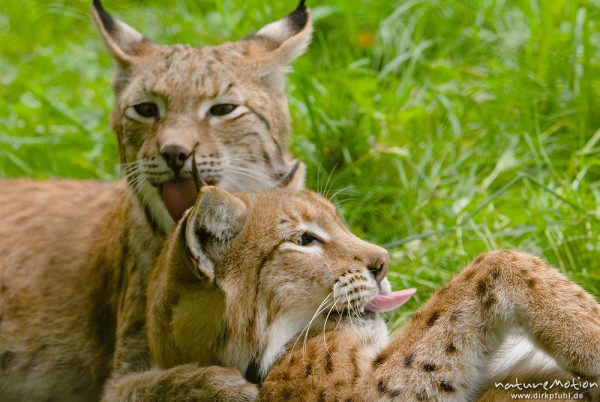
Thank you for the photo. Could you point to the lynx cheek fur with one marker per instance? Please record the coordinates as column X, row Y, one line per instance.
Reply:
column 75, row 255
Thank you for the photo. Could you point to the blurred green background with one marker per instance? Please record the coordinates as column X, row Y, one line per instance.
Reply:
column 440, row 128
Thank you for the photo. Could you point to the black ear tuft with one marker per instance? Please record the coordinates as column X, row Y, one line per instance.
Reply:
column 107, row 20
column 287, row 179
column 299, row 17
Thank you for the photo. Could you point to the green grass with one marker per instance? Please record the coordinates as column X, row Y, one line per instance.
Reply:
column 445, row 128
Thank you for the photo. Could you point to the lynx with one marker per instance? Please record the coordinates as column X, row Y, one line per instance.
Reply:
column 291, row 298
column 76, row 255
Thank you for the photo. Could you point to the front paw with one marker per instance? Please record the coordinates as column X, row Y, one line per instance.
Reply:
column 226, row 384
column 187, row 382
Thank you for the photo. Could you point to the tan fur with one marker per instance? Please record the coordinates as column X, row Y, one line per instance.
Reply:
column 75, row 255
column 231, row 256
column 448, row 349
column 236, row 259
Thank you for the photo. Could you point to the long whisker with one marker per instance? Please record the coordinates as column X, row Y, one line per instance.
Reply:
column 239, row 163
column 242, row 170
column 254, row 175
column 307, row 327
column 325, row 325
column 317, row 313
column 339, row 191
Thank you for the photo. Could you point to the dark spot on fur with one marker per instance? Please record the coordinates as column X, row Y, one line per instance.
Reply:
column 379, row 360
column 422, row 396
column 339, row 384
column 489, row 302
column 479, row 259
column 381, row 387
column 481, row 287
column 6, row 359
column 495, row 273
column 394, row 393
column 450, row 348
column 408, row 359
column 321, row 397
column 433, row 318
column 531, row 283
column 286, row 394
column 581, row 295
column 454, row 316
column 429, row 367
column 308, row 370
column 444, row 386
column 355, row 368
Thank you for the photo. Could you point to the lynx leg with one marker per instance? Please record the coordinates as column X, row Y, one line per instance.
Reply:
column 182, row 383
column 444, row 353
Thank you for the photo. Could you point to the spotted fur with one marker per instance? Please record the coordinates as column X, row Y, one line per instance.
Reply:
column 229, row 289
column 487, row 326
column 75, row 255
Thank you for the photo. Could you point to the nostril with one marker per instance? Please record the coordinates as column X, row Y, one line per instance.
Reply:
column 379, row 267
column 175, row 155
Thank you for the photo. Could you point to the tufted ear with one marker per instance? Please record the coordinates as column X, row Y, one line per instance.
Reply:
column 124, row 42
column 277, row 44
column 216, row 219
column 296, row 178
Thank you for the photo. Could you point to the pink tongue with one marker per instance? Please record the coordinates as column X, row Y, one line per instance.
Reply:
column 389, row 302
column 179, row 195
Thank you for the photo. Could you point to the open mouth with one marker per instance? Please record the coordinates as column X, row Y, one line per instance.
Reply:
column 389, row 301
column 179, row 195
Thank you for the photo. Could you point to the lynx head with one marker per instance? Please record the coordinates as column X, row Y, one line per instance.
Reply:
column 218, row 111
column 247, row 272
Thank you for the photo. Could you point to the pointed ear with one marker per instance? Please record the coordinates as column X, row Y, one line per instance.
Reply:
column 277, row 44
column 216, row 219
column 123, row 41
column 296, row 178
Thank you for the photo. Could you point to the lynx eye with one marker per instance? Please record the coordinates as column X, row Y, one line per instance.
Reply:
column 222, row 109
column 147, row 109
column 306, row 239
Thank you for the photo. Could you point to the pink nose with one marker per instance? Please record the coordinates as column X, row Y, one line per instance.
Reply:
column 379, row 266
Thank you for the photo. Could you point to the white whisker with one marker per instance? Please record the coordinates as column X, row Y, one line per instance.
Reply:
column 306, row 328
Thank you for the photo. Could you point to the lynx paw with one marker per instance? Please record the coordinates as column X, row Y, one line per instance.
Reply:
column 226, row 384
